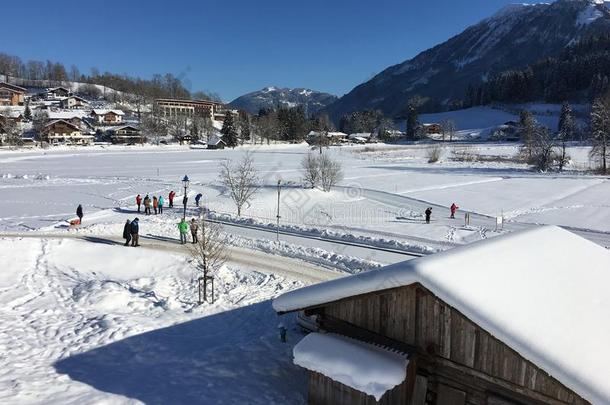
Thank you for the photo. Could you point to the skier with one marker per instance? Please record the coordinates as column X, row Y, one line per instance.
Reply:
column 197, row 198
column 155, row 203
column 183, row 228
column 161, row 202
column 453, row 209
column 127, row 233
column 79, row 213
column 171, row 196
column 135, row 232
column 428, row 214
column 147, row 205
column 139, row 201
column 194, row 228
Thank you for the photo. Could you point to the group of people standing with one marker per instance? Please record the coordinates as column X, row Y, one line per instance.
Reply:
column 157, row 203
column 452, row 210
column 131, row 232
column 183, row 228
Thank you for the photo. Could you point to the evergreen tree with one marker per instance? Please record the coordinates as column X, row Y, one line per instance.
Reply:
column 412, row 121
column 27, row 114
column 229, row 131
column 565, row 131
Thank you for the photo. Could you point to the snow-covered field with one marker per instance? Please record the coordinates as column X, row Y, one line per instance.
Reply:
column 84, row 320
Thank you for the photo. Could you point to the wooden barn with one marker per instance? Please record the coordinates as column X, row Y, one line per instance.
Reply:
column 515, row 319
column 11, row 95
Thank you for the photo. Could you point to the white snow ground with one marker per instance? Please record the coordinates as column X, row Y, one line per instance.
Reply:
column 82, row 324
column 85, row 322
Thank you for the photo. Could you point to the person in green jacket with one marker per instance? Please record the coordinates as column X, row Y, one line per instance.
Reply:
column 183, row 227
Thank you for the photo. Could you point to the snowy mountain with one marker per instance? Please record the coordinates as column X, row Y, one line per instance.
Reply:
column 312, row 100
column 514, row 37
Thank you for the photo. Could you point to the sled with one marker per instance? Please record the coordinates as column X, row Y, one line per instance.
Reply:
column 74, row 222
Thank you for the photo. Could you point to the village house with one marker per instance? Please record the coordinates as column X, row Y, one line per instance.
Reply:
column 191, row 108
column 11, row 95
column 56, row 93
column 74, row 102
column 107, row 117
column 515, row 319
column 360, row 137
column 65, row 132
column 432, row 128
column 332, row 138
column 127, row 134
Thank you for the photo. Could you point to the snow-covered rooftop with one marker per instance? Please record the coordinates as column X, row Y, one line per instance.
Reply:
column 359, row 365
column 544, row 292
column 97, row 111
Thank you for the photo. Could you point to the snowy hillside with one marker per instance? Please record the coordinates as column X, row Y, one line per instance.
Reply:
column 311, row 100
column 514, row 37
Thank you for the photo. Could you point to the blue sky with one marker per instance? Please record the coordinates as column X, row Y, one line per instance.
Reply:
column 240, row 46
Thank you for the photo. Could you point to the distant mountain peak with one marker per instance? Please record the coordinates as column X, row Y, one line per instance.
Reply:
column 273, row 96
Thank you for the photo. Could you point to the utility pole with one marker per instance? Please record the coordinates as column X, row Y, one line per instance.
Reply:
column 279, row 188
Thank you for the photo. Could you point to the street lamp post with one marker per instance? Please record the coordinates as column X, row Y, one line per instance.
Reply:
column 279, row 188
column 185, row 183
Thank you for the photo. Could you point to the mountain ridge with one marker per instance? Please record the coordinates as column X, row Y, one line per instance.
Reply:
column 513, row 37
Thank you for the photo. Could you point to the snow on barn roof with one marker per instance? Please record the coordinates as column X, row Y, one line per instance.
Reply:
column 544, row 292
column 365, row 367
column 360, row 135
column 215, row 140
column 98, row 111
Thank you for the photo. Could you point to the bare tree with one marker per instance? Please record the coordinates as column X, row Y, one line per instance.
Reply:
column 241, row 180
column 39, row 120
column 542, row 148
column 311, row 169
column 330, row 172
column 448, row 129
column 209, row 254
column 600, row 126
column 153, row 126
column 177, row 127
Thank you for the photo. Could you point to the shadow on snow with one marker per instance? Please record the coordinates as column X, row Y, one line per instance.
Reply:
column 226, row 358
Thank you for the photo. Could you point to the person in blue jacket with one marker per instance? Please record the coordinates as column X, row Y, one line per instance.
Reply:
column 135, row 232
column 197, row 198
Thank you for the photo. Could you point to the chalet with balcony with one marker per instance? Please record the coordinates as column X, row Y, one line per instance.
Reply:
column 127, row 134
column 515, row 319
column 11, row 95
column 64, row 132
column 107, row 117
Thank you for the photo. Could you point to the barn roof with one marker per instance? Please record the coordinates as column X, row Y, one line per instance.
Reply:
column 13, row 87
column 545, row 292
column 104, row 112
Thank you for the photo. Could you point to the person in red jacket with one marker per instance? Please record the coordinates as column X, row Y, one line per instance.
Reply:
column 171, row 198
column 453, row 209
column 139, row 201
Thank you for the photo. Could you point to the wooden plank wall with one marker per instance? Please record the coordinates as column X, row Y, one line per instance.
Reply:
column 415, row 316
